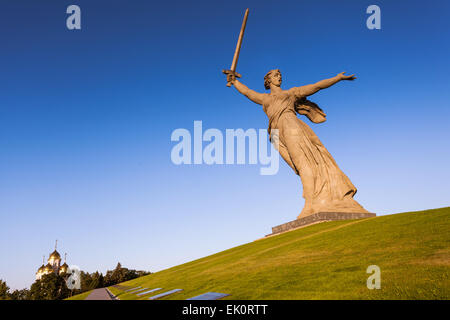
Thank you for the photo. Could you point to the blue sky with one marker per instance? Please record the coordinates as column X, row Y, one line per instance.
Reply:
column 86, row 118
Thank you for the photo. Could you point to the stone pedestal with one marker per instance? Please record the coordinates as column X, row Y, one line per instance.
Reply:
column 319, row 217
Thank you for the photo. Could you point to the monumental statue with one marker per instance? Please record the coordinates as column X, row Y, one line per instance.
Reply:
column 326, row 189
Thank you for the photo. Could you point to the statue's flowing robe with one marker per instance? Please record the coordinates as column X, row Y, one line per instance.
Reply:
column 325, row 187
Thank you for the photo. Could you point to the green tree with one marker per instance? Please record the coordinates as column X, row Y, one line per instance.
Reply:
column 50, row 287
column 97, row 280
column 101, row 281
column 4, row 291
column 120, row 274
column 19, row 294
column 86, row 281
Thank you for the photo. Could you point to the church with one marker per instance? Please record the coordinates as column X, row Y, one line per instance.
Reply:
column 53, row 264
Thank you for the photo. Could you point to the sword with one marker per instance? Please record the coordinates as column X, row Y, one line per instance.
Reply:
column 236, row 52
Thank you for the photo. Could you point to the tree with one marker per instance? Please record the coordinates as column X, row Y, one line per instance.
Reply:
column 4, row 291
column 50, row 287
column 86, row 281
column 15, row 295
column 19, row 294
column 120, row 274
column 97, row 280
column 101, row 281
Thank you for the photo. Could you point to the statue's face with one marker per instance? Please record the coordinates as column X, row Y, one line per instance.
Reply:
column 275, row 78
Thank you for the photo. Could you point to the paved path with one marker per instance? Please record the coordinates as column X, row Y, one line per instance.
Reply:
column 99, row 294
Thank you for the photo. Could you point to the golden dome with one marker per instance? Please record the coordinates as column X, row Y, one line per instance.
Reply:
column 64, row 268
column 41, row 269
column 55, row 255
column 48, row 268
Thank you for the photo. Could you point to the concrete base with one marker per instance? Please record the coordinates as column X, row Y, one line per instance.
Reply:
column 319, row 217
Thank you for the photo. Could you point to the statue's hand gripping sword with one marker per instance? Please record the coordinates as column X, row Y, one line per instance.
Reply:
column 232, row 70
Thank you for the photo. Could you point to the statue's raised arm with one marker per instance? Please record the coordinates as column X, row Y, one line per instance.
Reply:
column 310, row 89
column 254, row 96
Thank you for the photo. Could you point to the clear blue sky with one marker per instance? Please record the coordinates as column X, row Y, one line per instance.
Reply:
column 86, row 118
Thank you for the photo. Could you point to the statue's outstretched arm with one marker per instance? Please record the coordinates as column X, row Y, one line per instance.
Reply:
column 256, row 97
column 323, row 84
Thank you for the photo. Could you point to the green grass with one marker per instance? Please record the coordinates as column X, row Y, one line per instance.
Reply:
column 324, row 261
column 80, row 296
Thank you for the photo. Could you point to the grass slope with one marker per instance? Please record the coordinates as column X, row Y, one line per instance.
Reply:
column 324, row 261
column 80, row 296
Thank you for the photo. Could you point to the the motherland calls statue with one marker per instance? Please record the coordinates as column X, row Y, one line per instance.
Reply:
column 325, row 187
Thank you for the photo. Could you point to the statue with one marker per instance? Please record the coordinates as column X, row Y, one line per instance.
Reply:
column 325, row 187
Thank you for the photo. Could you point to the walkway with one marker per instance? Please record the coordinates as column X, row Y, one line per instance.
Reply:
column 99, row 294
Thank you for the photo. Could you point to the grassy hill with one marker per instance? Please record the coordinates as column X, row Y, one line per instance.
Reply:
column 324, row 261
column 80, row 296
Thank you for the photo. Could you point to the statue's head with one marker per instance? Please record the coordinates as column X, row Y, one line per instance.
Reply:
column 272, row 77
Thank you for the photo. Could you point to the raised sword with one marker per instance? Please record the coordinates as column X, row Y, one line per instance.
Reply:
column 232, row 69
